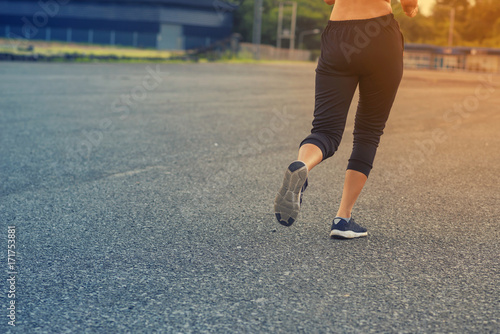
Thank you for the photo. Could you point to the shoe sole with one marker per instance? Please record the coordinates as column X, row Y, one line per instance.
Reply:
column 287, row 202
column 347, row 234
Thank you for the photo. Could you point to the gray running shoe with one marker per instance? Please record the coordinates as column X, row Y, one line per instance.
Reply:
column 289, row 197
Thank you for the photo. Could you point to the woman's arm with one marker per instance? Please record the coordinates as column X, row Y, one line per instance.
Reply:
column 410, row 7
column 329, row 2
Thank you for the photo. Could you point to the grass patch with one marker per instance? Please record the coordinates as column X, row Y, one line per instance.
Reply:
column 83, row 53
column 50, row 49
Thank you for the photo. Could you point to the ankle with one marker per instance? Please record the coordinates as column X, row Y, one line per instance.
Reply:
column 343, row 214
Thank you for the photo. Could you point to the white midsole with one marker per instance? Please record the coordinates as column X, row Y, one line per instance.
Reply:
column 348, row 234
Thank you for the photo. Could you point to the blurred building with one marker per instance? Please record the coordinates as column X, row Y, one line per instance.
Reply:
column 424, row 56
column 162, row 24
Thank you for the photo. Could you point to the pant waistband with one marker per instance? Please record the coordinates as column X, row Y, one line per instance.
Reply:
column 384, row 20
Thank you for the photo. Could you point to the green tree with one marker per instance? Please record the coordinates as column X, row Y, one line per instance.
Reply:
column 418, row 29
column 481, row 22
column 476, row 23
column 310, row 15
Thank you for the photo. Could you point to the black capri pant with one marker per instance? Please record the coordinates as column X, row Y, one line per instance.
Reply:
column 366, row 52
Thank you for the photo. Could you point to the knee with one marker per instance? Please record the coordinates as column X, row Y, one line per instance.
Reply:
column 362, row 156
column 368, row 136
column 327, row 142
column 360, row 166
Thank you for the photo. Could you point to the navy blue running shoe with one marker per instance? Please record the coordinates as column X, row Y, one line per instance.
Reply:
column 289, row 198
column 347, row 230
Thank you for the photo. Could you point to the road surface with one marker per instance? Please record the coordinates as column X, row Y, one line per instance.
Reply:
column 141, row 197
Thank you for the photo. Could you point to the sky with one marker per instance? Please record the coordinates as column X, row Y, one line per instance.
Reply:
column 425, row 6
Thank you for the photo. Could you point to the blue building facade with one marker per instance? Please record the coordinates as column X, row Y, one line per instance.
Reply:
column 161, row 24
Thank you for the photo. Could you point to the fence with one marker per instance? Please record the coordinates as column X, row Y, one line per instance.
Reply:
column 459, row 58
column 269, row 52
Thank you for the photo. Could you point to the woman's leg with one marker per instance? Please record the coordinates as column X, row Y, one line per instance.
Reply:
column 333, row 98
column 311, row 155
column 377, row 92
column 343, row 226
column 353, row 184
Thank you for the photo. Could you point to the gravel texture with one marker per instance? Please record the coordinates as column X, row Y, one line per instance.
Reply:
column 142, row 197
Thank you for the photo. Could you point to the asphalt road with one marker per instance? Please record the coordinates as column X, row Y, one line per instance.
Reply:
column 141, row 197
